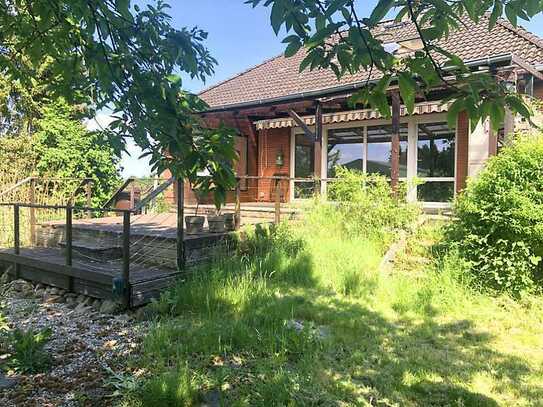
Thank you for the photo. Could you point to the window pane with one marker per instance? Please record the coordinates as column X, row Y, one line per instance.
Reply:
column 304, row 157
column 435, row 150
column 345, row 148
column 303, row 190
column 440, row 191
column 380, row 150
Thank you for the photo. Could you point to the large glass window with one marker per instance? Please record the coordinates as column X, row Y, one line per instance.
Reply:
column 346, row 149
column 304, row 166
column 379, row 160
column 435, row 162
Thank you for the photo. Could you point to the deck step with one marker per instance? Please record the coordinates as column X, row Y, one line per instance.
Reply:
column 88, row 249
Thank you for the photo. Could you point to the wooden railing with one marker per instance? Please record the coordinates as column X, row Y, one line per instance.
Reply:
column 68, row 253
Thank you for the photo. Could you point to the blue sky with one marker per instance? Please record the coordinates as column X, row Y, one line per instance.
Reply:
column 239, row 38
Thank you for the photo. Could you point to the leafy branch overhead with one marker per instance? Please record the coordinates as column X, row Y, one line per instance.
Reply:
column 336, row 37
column 114, row 54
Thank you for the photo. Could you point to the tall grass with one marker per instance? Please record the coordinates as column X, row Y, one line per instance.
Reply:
column 301, row 315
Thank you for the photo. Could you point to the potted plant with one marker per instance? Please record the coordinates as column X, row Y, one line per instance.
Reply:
column 216, row 222
column 195, row 224
column 230, row 221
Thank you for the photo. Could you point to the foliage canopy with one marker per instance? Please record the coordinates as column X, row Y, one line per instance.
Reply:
column 110, row 54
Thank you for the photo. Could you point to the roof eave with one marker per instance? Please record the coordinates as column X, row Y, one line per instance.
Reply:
column 338, row 89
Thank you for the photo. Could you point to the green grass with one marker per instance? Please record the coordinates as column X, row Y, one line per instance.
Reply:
column 416, row 336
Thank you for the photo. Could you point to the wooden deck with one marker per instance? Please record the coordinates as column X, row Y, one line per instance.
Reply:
column 93, row 278
column 97, row 265
column 94, row 271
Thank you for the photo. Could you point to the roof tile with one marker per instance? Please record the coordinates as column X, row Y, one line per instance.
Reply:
column 280, row 76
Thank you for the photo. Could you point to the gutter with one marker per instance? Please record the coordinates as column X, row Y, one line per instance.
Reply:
column 342, row 88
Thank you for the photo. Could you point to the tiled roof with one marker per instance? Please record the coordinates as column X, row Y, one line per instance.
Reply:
column 280, row 77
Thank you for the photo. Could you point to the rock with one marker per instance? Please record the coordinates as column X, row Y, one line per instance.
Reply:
column 53, row 299
column 54, row 291
column 39, row 293
column 212, row 399
column 81, row 299
column 298, row 326
column 6, row 382
column 145, row 313
column 82, row 309
column 109, row 307
column 5, row 276
column 22, row 286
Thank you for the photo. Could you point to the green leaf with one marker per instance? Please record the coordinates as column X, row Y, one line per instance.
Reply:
column 277, row 16
column 293, row 48
column 408, row 88
column 517, row 105
column 497, row 12
column 380, row 11
column 511, row 14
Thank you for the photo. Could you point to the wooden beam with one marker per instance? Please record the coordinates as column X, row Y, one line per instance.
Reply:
column 300, row 122
column 318, row 146
column 395, row 153
column 181, row 262
column 160, row 189
column 525, row 65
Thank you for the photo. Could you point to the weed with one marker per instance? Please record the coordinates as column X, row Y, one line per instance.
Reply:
column 28, row 354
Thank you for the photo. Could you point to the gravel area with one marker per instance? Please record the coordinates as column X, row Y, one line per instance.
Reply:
column 87, row 346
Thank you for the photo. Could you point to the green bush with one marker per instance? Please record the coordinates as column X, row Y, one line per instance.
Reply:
column 28, row 353
column 500, row 219
column 367, row 202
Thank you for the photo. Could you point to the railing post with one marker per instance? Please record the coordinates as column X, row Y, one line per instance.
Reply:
column 88, row 192
column 395, row 143
column 237, row 216
column 32, row 199
column 132, row 196
column 181, row 260
column 16, row 238
column 277, row 201
column 69, row 235
column 126, row 258
column 69, row 243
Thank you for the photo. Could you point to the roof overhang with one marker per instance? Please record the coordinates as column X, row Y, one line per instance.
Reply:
column 351, row 115
column 336, row 90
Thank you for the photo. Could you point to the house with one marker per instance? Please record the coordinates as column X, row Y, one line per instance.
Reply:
column 276, row 109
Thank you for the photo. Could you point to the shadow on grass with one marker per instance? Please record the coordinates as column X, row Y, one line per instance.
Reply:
column 260, row 330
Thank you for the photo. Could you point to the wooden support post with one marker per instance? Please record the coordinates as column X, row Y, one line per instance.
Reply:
column 395, row 153
column 237, row 216
column 126, row 258
column 69, row 235
column 32, row 220
column 277, row 201
column 180, row 224
column 16, row 238
column 88, row 192
column 69, row 241
column 318, row 147
column 132, row 196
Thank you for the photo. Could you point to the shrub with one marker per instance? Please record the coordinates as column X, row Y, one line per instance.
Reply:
column 500, row 219
column 368, row 203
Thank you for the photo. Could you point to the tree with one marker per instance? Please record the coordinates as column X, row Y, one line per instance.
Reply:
column 112, row 55
column 337, row 38
column 64, row 148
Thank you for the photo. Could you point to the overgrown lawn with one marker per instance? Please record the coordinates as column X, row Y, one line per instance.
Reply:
column 302, row 316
